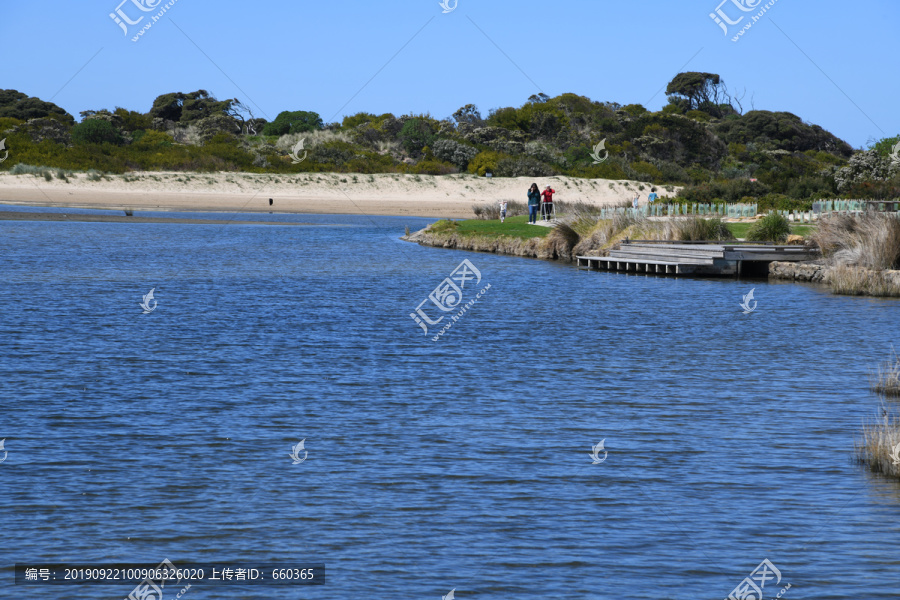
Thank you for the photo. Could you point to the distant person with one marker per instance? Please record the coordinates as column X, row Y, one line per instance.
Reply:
column 635, row 201
column 547, row 205
column 503, row 210
column 534, row 201
column 653, row 197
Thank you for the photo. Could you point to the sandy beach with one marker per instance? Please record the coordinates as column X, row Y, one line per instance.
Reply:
column 447, row 196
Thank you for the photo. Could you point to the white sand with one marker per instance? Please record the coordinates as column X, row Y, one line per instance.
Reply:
column 324, row 193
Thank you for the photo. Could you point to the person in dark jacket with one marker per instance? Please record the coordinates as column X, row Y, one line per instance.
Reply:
column 534, row 201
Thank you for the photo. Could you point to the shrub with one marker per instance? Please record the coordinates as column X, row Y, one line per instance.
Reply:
column 95, row 131
column 523, row 166
column 433, row 167
column 151, row 140
column 782, row 202
column 454, row 152
column 771, row 228
column 484, row 162
column 415, row 135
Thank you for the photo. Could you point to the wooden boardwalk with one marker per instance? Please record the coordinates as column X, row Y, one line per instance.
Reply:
column 701, row 258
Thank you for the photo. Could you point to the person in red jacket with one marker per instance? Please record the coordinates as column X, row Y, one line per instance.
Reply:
column 547, row 204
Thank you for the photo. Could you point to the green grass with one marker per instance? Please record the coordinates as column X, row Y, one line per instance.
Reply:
column 517, row 227
column 740, row 229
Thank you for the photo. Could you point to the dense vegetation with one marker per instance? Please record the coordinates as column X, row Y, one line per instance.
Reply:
column 701, row 139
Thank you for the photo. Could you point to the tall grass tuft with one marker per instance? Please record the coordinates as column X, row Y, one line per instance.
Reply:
column 563, row 238
column 876, row 449
column 887, row 382
column 871, row 241
column 858, row 281
column 697, row 229
column 771, row 228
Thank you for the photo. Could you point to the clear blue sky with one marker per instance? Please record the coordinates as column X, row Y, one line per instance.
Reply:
column 831, row 62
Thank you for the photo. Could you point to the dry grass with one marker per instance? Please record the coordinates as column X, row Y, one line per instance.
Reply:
column 563, row 239
column 879, row 448
column 887, row 381
column 876, row 449
column 491, row 212
column 311, row 139
column 870, row 241
column 859, row 281
column 597, row 236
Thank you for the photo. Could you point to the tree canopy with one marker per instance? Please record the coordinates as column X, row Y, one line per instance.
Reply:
column 16, row 105
column 296, row 121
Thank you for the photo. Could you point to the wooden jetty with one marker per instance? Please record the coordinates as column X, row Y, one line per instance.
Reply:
column 710, row 259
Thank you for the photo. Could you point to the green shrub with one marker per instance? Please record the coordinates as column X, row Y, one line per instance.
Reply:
column 415, row 135
column 484, row 162
column 96, row 131
column 771, row 228
column 296, row 121
column 433, row 167
column 151, row 140
column 782, row 202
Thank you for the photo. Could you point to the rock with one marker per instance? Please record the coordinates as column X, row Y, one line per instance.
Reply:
column 798, row 271
column 796, row 240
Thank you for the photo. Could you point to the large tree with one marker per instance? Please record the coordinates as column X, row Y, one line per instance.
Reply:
column 186, row 108
column 699, row 91
column 17, row 105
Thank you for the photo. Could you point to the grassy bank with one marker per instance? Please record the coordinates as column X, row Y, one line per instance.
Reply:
column 515, row 227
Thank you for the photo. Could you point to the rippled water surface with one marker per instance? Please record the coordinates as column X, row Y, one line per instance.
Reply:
column 462, row 463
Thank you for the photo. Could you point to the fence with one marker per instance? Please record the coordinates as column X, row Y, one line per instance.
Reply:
column 661, row 209
column 820, row 208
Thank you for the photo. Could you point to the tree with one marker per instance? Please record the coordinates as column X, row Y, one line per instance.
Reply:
column 185, row 108
column 132, row 120
column 538, row 98
column 201, row 104
column 249, row 123
column 468, row 115
column 701, row 91
column 17, row 105
column 297, row 121
column 167, row 106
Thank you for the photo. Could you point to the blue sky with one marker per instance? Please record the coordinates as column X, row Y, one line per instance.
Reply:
column 832, row 63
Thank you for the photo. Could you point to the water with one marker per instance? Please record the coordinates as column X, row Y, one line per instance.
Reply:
column 457, row 464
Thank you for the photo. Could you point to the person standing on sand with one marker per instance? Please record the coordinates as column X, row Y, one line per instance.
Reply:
column 635, row 201
column 534, row 201
column 548, row 202
column 653, row 195
column 502, row 210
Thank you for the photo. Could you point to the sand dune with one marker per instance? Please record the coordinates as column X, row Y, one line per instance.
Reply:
column 324, row 193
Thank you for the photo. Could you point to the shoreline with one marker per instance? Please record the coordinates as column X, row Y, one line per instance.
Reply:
column 838, row 279
column 88, row 218
column 428, row 196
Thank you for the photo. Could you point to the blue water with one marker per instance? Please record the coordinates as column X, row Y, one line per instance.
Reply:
column 462, row 463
